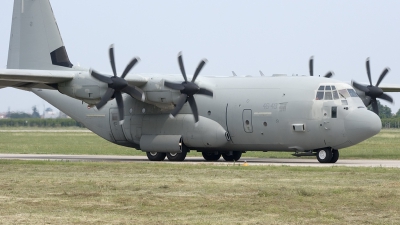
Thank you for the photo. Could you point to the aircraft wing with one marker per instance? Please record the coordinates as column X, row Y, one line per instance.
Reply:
column 390, row 87
column 33, row 78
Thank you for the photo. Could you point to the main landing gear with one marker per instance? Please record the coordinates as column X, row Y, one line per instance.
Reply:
column 216, row 155
column 328, row 155
column 230, row 156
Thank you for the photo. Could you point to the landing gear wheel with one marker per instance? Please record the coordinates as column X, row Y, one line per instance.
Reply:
column 335, row 156
column 211, row 156
column 176, row 156
column 156, row 156
column 235, row 156
column 324, row 155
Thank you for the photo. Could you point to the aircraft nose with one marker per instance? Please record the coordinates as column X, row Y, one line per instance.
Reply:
column 361, row 124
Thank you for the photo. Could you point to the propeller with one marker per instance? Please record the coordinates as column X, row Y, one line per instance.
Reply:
column 311, row 65
column 188, row 89
column 117, row 85
column 371, row 91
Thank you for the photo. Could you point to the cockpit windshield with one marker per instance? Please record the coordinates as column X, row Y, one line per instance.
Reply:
column 329, row 92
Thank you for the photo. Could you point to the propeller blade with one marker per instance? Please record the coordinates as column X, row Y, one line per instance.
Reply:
column 112, row 59
column 199, row 67
column 204, row 91
column 359, row 86
column 193, row 106
column 182, row 100
column 106, row 97
column 375, row 106
column 129, row 66
column 120, row 103
column 174, row 86
column 329, row 74
column 100, row 77
column 311, row 65
column 383, row 74
column 386, row 97
column 134, row 92
column 368, row 71
column 181, row 66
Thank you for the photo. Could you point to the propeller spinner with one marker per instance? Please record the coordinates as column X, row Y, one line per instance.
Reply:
column 311, row 66
column 117, row 85
column 188, row 89
column 371, row 91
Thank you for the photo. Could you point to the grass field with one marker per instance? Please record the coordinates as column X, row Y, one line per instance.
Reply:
column 385, row 145
column 43, row 192
column 55, row 192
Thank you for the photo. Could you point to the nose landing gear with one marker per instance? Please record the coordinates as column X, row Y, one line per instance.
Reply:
column 328, row 155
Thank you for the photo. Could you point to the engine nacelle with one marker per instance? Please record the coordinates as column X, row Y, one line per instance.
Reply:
column 84, row 88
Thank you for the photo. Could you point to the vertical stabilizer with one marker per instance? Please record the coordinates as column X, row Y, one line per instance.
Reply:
column 35, row 41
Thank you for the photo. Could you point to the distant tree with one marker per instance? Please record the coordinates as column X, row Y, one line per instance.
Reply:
column 35, row 113
column 18, row 115
column 398, row 113
column 384, row 110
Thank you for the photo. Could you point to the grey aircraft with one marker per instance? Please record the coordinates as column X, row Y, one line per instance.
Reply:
column 167, row 116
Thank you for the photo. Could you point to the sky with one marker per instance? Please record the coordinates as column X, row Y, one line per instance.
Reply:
column 241, row 36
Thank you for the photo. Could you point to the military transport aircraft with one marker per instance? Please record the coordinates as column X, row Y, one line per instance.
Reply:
column 167, row 116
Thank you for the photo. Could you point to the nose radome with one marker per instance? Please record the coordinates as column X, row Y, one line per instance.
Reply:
column 361, row 124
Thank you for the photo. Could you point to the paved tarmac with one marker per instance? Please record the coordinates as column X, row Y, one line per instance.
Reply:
column 199, row 160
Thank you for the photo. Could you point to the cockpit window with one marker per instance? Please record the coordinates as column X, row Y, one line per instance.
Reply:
column 328, row 95
column 329, row 92
column 352, row 93
column 335, row 94
column 320, row 95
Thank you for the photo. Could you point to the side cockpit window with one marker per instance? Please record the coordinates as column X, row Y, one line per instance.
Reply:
column 352, row 93
column 347, row 93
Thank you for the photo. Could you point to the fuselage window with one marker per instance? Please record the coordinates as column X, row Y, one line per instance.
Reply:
column 335, row 94
column 352, row 93
column 328, row 95
column 334, row 112
column 320, row 95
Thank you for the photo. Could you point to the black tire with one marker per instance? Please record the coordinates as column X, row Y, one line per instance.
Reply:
column 177, row 156
column 235, row 156
column 211, row 156
column 335, row 156
column 324, row 155
column 156, row 156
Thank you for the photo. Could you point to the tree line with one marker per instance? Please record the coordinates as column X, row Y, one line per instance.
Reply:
column 35, row 122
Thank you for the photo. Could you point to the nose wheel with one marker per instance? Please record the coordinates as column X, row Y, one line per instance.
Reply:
column 328, row 155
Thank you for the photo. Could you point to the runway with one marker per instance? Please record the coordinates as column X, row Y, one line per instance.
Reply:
column 199, row 160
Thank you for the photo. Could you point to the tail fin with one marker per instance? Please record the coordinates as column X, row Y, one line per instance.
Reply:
column 35, row 41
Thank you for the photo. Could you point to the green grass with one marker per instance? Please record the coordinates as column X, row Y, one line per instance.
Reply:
column 382, row 146
column 43, row 192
